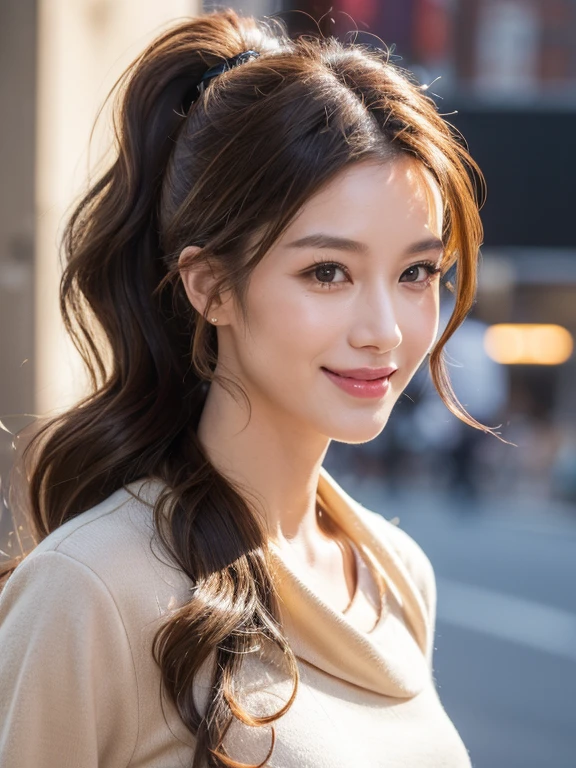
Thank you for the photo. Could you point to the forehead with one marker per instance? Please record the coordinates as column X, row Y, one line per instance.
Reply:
column 396, row 198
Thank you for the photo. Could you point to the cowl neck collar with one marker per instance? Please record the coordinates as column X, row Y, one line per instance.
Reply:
column 391, row 658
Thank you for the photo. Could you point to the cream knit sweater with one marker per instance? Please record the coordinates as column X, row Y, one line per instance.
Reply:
column 79, row 687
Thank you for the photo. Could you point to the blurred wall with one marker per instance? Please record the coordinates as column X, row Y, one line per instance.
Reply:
column 17, row 156
column 84, row 45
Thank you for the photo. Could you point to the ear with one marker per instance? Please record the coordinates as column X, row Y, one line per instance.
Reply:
column 198, row 279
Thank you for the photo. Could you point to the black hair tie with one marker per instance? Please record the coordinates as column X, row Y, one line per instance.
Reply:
column 227, row 64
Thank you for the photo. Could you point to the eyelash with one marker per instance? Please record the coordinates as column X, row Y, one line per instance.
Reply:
column 429, row 266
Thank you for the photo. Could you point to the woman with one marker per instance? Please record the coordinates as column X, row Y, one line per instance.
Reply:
column 262, row 261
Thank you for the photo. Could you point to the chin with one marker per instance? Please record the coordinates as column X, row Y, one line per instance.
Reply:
column 358, row 430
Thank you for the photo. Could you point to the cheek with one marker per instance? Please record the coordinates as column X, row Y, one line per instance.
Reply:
column 419, row 321
column 290, row 318
column 288, row 330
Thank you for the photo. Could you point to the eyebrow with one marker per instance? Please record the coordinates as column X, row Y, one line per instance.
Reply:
column 320, row 240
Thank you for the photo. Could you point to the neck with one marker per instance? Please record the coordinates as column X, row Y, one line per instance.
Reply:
column 275, row 462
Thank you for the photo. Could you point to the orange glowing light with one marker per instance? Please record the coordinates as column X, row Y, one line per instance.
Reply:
column 528, row 344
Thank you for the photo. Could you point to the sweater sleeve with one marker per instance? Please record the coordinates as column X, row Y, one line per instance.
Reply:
column 68, row 691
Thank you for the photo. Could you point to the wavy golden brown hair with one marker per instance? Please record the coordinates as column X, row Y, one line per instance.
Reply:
column 226, row 170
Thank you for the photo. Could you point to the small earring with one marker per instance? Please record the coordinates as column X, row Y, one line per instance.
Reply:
column 214, row 319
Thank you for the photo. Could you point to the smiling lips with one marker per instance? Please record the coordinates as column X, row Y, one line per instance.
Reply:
column 364, row 374
column 362, row 382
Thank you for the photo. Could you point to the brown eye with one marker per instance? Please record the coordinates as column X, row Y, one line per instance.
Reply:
column 412, row 271
column 324, row 272
column 430, row 269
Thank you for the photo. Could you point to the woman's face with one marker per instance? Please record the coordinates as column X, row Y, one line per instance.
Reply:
column 317, row 304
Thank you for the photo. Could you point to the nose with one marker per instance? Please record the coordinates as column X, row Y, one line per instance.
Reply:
column 375, row 322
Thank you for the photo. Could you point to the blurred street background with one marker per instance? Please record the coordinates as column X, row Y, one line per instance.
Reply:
column 497, row 521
